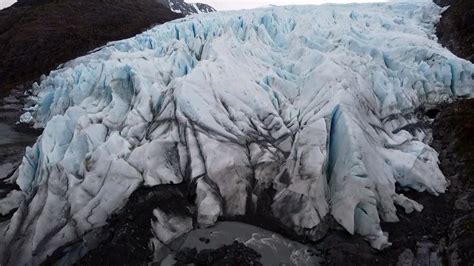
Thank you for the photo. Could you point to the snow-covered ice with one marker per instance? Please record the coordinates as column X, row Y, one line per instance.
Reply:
column 311, row 101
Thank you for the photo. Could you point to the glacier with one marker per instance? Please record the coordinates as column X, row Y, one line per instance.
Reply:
column 312, row 102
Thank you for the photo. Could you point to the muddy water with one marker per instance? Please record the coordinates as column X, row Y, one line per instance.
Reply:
column 12, row 148
column 274, row 248
column 13, row 144
column 8, row 135
column 13, row 141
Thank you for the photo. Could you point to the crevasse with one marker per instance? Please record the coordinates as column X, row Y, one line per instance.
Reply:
column 310, row 101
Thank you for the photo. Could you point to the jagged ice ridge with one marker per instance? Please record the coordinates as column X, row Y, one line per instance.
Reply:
column 311, row 101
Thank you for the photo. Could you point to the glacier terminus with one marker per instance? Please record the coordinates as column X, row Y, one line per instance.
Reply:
column 314, row 103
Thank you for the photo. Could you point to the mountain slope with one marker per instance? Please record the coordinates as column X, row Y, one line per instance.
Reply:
column 312, row 108
column 38, row 35
column 181, row 7
column 456, row 28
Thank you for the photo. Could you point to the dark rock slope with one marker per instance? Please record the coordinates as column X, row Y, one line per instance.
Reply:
column 456, row 28
column 452, row 133
column 454, row 130
column 444, row 3
column 38, row 35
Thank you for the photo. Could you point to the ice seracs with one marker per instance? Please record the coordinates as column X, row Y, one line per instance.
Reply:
column 310, row 102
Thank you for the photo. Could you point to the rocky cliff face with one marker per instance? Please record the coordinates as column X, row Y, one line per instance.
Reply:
column 456, row 28
column 444, row 3
column 452, row 137
column 38, row 35
column 452, row 133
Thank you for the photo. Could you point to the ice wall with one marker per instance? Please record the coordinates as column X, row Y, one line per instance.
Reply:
column 310, row 101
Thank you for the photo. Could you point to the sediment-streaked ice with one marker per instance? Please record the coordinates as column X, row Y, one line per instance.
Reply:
column 309, row 101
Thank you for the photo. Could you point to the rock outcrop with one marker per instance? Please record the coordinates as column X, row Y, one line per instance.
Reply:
column 456, row 28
